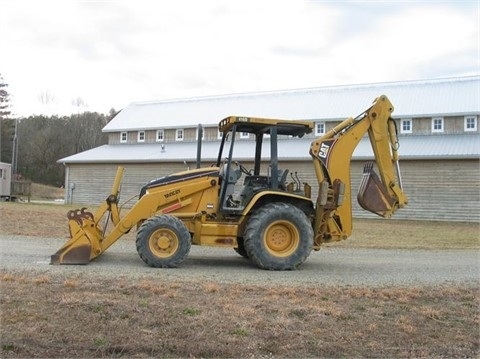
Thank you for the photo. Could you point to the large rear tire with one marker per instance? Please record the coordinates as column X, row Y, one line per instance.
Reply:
column 240, row 249
column 278, row 236
column 163, row 241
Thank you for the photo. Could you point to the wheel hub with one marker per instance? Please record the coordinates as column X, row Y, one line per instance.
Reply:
column 281, row 238
column 163, row 243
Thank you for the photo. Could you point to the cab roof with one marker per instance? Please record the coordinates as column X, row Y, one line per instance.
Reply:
column 258, row 125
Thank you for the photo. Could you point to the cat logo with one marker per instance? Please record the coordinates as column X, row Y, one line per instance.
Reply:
column 323, row 152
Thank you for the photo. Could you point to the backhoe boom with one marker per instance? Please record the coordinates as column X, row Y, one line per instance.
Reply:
column 332, row 154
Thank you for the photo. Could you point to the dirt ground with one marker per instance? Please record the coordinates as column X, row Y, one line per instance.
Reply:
column 46, row 317
column 49, row 315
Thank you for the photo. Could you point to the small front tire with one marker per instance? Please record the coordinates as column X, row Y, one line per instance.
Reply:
column 163, row 241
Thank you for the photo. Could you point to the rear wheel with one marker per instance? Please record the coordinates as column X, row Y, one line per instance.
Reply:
column 163, row 241
column 278, row 236
column 240, row 249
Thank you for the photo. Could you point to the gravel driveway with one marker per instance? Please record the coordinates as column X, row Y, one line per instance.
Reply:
column 330, row 266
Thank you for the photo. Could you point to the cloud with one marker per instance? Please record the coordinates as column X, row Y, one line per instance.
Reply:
column 404, row 43
column 110, row 53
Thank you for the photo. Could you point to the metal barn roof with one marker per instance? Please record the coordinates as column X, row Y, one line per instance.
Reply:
column 413, row 147
column 453, row 96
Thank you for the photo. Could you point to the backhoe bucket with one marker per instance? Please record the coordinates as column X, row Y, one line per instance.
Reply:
column 372, row 195
column 84, row 244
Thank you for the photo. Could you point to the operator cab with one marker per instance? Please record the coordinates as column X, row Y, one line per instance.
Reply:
column 231, row 170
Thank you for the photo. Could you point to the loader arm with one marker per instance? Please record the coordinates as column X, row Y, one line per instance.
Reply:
column 332, row 154
column 88, row 232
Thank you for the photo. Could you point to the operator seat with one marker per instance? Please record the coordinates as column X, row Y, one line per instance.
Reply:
column 282, row 179
column 229, row 180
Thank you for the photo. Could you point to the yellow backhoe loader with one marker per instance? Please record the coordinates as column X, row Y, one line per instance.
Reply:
column 273, row 223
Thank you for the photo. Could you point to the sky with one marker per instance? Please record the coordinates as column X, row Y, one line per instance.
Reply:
column 64, row 57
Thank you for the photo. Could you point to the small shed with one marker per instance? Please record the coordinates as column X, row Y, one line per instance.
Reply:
column 5, row 180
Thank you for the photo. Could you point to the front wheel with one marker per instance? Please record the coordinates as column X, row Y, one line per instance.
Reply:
column 278, row 236
column 163, row 241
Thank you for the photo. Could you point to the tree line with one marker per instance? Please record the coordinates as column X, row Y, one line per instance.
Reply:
column 37, row 142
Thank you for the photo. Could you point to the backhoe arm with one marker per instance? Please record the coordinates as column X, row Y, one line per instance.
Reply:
column 332, row 154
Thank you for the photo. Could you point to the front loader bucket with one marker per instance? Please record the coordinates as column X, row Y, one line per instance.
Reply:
column 76, row 251
column 86, row 238
column 84, row 244
column 372, row 195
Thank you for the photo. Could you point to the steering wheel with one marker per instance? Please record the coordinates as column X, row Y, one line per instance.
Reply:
column 243, row 169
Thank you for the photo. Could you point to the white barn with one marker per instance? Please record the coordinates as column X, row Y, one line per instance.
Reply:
column 437, row 121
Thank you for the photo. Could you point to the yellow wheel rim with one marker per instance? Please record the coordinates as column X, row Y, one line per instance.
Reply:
column 281, row 238
column 163, row 243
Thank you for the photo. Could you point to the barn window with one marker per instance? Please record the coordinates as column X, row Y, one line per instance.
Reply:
column 470, row 123
column 437, row 124
column 319, row 128
column 160, row 135
column 141, row 136
column 179, row 135
column 123, row 137
column 406, row 126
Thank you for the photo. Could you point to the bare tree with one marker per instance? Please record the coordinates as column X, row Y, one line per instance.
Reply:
column 79, row 103
column 86, row 130
column 46, row 97
column 44, row 140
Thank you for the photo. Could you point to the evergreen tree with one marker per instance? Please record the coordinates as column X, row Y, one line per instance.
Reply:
column 4, row 99
column 6, row 125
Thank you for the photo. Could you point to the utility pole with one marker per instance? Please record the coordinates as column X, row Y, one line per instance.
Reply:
column 15, row 151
